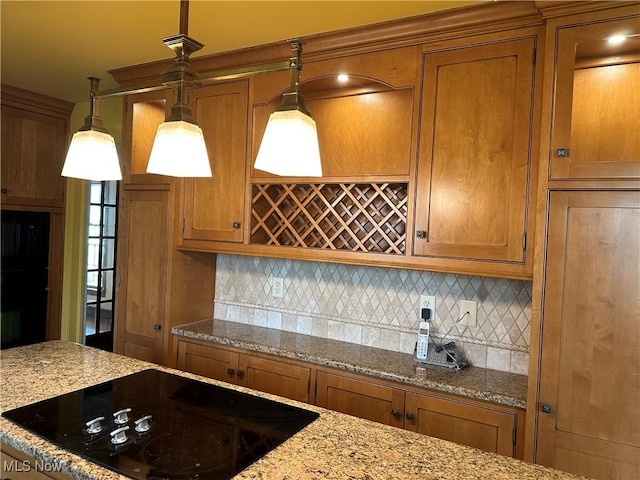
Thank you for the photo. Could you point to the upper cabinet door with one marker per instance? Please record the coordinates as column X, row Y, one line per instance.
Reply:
column 143, row 113
column 213, row 207
column 596, row 116
column 34, row 142
column 474, row 159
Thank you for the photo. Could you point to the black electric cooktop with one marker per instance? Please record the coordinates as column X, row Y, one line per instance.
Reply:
column 195, row 430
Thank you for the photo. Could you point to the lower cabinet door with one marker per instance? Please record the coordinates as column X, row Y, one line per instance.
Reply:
column 276, row 377
column 208, row 361
column 472, row 425
column 364, row 399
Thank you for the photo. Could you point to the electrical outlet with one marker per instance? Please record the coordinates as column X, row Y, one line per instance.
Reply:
column 470, row 319
column 277, row 287
column 428, row 301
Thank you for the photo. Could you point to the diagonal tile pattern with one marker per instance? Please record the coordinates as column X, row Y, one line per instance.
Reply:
column 377, row 306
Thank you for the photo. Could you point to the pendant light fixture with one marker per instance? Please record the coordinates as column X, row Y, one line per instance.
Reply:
column 289, row 146
column 179, row 149
column 290, row 143
column 92, row 154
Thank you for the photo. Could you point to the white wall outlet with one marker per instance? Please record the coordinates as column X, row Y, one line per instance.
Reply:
column 277, row 287
column 468, row 319
column 427, row 301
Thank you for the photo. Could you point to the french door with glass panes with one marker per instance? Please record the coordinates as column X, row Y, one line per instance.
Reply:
column 101, row 254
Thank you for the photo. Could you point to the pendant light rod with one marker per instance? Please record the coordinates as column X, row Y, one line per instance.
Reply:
column 184, row 17
column 93, row 120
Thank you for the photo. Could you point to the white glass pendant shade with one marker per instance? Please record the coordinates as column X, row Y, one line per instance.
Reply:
column 179, row 151
column 92, row 155
column 289, row 147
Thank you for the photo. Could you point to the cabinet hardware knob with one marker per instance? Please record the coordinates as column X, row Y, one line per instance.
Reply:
column 157, row 327
column 240, row 373
column 546, row 408
column 236, row 225
column 231, row 372
column 421, row 234
column 410, row 416
column 395, row 412
column 4, row 190
column 562, row 152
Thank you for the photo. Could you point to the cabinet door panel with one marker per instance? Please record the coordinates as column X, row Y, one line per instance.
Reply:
column 142, row 266
column 470, row 425
column 597, row 104
column 33, row 150
column 590, row 355
column 207, row 361
column 290, row 381
column 475, row 157
column 213, row 207
column 361, row 399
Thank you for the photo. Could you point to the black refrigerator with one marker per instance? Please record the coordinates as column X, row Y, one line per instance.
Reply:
column 25, row 262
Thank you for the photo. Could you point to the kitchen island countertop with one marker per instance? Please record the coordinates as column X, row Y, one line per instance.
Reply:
column 472, row 382
column 335, row 446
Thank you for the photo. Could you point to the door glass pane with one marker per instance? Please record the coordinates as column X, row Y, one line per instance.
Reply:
column 109, row 221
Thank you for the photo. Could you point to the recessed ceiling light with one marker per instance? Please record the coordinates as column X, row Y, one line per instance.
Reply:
column 616, row 39
column 343, row 78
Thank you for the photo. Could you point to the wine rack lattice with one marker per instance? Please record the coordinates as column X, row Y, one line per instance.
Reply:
column 359, row 217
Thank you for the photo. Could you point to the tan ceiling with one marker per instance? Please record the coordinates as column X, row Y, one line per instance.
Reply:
column 51, row 46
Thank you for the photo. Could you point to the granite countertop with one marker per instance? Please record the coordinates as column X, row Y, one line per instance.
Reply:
column 472, row 382
column 336, row 446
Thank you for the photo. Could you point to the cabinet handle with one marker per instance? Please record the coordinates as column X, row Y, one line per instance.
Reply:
column 236, row 225
column 410, row 416
column 240, row 373
column 4, row 190
column 395, row 412
column 157, row 327
column 231, row 372
column 546, row 408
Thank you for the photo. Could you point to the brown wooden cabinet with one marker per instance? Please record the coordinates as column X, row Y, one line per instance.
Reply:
column 34, row 144
column 488, row 427
column 270, row 375
column 379, row 403
column 213, row 208
column 597, row 110
column 588, row 415
column 157, row 286
column 143, row 252
column 584, row 392
column 475, row 158
column 491, row 427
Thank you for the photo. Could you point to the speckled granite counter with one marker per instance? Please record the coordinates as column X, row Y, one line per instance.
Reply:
column 479, row 383
column 335, row 446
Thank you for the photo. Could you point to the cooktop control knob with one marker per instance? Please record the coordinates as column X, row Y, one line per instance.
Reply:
column 94, row 426
column 122, row 416
column 119, row 435
column 142, row 424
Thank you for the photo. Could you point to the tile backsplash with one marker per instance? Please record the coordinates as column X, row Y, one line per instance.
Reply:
column 378, row 306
